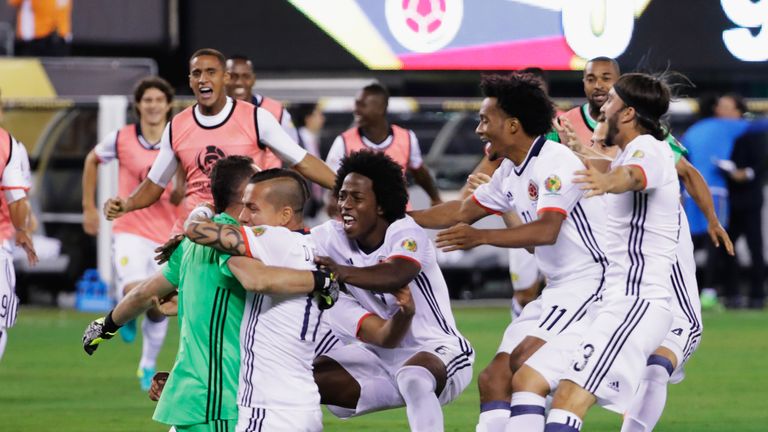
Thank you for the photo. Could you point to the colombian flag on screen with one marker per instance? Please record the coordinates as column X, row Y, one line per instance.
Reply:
column 476, row 34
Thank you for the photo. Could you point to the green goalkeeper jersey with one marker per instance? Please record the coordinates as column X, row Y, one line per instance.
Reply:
column 202, row 386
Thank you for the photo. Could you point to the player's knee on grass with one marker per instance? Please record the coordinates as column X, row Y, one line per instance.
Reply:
column 336, row 385
column 523, row 351
column 434, row 365
column 528, row 380
column 494, row 382
column 571, row 397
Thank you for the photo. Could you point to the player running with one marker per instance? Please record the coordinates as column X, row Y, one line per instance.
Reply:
column 372, row 131
column 643, row 207
column 216, row 126
column 534, row 179
column 138, row 234
column 15, row 219
column 201, row 391
column 240, row 86
column 383, row 250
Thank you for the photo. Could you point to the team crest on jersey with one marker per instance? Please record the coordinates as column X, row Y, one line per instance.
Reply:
column 208, row 157
column 533, row 190
column 553, row 184
column 409, row 245
column 257, row 231
column 638, row 154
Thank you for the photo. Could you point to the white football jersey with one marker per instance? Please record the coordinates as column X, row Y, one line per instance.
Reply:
column 544, row 182
column 277, row 335
column 644, row 226
column 433, row 322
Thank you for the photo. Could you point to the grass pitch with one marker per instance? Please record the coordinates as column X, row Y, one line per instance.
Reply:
column 47, row 383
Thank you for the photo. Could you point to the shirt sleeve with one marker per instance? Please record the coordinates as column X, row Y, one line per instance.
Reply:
column 172, row 269
column 106, row 150
column 557, row 192
column 346, row 317
column 272, row 134
column 286, row 121
column 410, row 243
column 16, row 176
column 491, row 197
column 335, row 154
column 650, row 159
column 415, row 161
column 164, row 167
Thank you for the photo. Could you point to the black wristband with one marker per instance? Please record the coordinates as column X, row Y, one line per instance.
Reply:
column 109, row 324
column 319, row 280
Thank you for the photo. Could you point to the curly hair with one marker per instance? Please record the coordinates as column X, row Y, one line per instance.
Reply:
column 386, row 176
column 520, row 96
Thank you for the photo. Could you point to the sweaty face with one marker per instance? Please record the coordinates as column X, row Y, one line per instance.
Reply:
column 256, row 209
column 609, row 114
column 599, row 77
column 153, row 107
column 357, row 206
column 369, row 109
column 491, row 128
column 207, row 79
column 241, row 79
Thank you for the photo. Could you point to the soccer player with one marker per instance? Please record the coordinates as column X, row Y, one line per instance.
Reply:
column 241, row 81
column 278, row 333
column 14, row 226
column 372, row 131
column 599, row 75
column 138, row 234
column 643, row 209
column 216, row 126
column 382, row 250
column 534, row 179
column 201, row 391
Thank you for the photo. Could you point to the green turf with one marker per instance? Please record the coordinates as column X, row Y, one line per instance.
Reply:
column 47, row 383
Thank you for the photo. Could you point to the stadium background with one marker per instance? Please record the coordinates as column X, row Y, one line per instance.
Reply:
column 303, row 52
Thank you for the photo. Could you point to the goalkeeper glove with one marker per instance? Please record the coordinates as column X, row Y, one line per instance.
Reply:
column 98, row 331
column 326, row 289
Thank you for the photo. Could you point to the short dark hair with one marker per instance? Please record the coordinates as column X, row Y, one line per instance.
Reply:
column 210, row 52
column 649, row 96
column 300, row 112
column 520, row 96
column 294, row 199
column 154, row 82
column 707, row 102
column 386, row 176
column 379, row 89
column 226, row 176
column 604, row 59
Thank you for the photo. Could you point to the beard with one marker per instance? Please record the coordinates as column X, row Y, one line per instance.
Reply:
column 613, row 130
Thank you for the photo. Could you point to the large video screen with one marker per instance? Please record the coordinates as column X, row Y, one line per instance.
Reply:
column 551, row 34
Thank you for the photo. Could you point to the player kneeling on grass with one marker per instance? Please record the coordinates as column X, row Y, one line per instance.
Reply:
column 384, row 250
column 200, row 393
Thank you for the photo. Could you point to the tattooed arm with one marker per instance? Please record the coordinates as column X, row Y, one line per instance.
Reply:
column 225, row 238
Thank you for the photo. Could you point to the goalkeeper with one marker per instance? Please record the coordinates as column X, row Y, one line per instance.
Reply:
column 200, row 394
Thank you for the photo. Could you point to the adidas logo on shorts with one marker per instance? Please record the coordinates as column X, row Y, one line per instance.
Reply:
column 613, row 385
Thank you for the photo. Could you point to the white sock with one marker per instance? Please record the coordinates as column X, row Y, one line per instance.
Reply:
column 493, row 416
column 526, row 413
column 648, row 403
column 376, row 394
column 3, row 341
column 153, row 334
column 562, row 421
column 417, row 386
